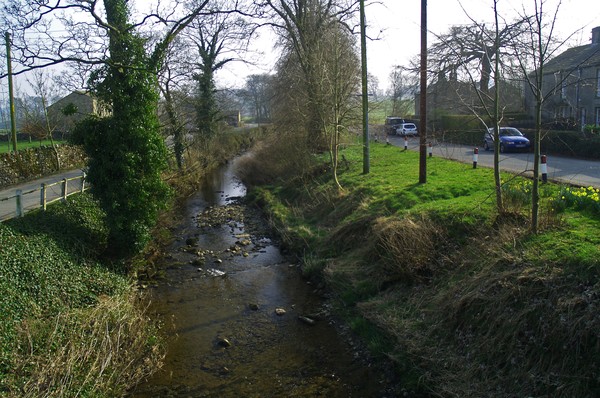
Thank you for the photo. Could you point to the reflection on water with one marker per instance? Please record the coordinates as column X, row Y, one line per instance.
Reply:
column 227, row 340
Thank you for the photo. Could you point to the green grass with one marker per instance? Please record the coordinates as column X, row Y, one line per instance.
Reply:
column 470, row 298
column 7, row 147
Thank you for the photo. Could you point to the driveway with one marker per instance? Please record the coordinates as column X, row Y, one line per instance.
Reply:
column 560, row 169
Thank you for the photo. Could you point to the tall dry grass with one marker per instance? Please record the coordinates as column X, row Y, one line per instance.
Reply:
column 407, row 246
column 91, row 352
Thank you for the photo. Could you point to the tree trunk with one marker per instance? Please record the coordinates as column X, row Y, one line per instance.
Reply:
column 535, row 197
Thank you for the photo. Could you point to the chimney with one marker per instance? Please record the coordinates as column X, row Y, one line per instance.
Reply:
column 596, row 35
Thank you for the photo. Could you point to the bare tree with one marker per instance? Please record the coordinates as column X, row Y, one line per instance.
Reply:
column 535, row 50
column 404, row 85
column 174, row 84
column 259, row 92
column 473, row 47
column 302, row 24
column 36, row 121
column 220, row 36
column 336, row 69
column 340, row 81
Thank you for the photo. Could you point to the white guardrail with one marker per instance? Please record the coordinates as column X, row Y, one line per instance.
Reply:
column 17, row 204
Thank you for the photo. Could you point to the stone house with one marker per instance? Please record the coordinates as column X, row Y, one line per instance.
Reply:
column 78, row 104
column 451, row 97
column 571, row 84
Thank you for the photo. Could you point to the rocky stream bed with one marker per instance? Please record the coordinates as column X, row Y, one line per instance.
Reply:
column 241, row 320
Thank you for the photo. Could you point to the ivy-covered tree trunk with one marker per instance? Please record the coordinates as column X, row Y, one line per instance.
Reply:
column 126, row 150
column 206, row 108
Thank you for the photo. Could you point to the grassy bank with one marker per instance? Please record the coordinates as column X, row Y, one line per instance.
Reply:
column 465, row 302
column 73, row 323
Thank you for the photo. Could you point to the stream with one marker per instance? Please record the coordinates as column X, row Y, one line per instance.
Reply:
column 242, row 321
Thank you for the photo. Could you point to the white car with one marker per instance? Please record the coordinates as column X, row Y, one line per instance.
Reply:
column 407, row 129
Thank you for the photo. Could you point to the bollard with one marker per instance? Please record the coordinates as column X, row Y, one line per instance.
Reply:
column 544, row 169
column 475, row 156
column 64, row 190
column 83, row 182
column 405, row 143
column 19, row 198
column 43, row 196
column 430, row 149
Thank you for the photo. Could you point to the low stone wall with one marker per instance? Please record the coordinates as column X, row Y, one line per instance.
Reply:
column 32, row 163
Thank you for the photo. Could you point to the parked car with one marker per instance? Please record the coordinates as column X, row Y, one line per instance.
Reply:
column 407, row 129
column 511, row 139
column 392, row 123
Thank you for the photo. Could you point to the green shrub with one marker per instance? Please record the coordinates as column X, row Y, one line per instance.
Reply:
column 591, row 129
column 460, row 123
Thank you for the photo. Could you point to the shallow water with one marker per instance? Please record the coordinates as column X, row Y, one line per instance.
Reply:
column 226, row 339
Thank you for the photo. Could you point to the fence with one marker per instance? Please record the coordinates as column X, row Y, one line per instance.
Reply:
column 23, row 201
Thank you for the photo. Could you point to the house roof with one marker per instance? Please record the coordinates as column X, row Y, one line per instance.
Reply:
column 573, row 58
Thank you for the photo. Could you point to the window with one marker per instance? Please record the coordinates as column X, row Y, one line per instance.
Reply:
column 598, row 83
column 597, row 122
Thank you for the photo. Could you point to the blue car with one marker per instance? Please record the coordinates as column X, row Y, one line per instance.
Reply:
column 511, row 139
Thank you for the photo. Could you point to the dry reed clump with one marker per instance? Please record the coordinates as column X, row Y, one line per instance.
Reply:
column 277, row 157
column 407, row 247
column 102, row 350
column 351, row 235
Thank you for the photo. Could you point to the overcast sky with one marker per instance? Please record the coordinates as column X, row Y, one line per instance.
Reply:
column 397, row 24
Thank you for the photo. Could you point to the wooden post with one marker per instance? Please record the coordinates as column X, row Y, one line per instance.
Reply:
column 13, row 122
column 19, row 198
column 423, row 97
column 365, row 94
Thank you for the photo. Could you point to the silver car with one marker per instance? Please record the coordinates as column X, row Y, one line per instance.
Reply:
column 407, row 130
column 392, row 123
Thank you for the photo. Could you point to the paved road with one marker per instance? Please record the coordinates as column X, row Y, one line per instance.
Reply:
column 561, row 169
column 31, row 192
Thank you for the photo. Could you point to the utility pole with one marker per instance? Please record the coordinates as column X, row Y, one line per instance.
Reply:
column 13, row 122
column 423, row 97
column 365, row 94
